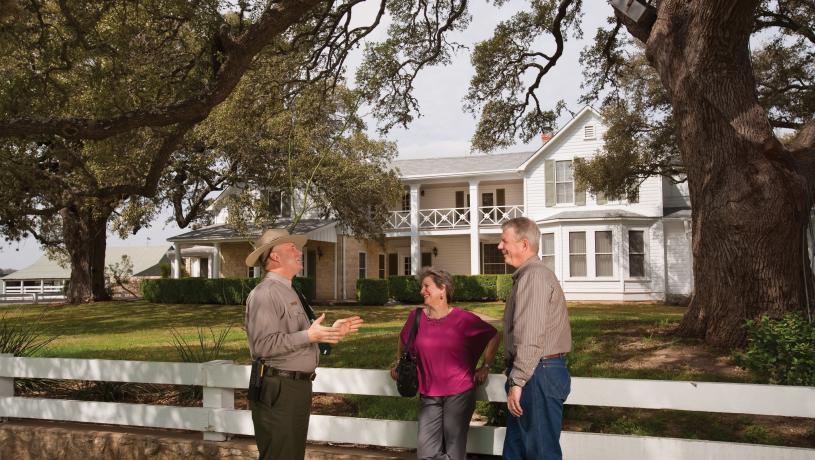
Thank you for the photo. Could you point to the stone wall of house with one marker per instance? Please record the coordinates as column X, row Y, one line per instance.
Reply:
column 351, row 249
column 233, row 256
column 325, row 268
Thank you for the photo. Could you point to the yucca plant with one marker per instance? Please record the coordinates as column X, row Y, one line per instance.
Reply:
column 208, row 348
column 24, row 339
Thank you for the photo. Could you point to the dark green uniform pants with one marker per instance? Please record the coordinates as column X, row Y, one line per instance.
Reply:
column 281, row 418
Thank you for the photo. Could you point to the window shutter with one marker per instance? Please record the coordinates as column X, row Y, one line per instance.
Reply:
column 549, row 176
column 500, row 197
column 579, row 197
column 459, row 199
column 601, row 198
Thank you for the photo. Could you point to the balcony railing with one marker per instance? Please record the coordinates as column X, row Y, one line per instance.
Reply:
column 446, row 218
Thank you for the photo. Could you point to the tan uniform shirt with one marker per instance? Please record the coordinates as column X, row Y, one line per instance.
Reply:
column 536, row 322
column 276, row 326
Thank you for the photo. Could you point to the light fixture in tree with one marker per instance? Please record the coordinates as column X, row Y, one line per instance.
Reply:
column 641, row 13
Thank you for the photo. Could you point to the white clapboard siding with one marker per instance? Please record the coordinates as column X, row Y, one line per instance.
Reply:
column 776, row 400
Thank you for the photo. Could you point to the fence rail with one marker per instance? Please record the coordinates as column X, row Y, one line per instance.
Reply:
column 219, row 418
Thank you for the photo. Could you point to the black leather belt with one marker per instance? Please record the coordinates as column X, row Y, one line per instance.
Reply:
column 293, row 375
column 556, row 355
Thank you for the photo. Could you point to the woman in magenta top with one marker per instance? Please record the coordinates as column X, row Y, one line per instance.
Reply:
column 448, row 345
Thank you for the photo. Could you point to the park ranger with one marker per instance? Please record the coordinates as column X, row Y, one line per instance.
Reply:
column 283, row 343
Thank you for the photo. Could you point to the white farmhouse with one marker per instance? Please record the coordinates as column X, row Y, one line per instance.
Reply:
column 599, row 249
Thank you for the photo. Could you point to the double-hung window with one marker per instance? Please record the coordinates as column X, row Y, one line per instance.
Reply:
column 548, row 250
column 636, row 253
column 363, row 265
column 603, row 254
column 564, row 182
column 577, row 254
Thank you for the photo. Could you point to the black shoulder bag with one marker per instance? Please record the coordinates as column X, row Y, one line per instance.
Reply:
column 407, row 378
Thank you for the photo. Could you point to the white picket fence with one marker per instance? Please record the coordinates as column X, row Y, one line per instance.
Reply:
column 218, row 418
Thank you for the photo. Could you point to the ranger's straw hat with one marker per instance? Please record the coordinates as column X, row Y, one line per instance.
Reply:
column 272, row 238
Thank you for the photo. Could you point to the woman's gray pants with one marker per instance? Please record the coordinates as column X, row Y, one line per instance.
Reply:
column 443, row 425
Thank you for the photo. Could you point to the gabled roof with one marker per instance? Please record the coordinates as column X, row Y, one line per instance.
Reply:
column 460, row 166
column 223, row 232
column 547, row 146
column 145, row 262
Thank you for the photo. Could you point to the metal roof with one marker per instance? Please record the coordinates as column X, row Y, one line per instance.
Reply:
column 224, row 232
column 677, row 213
column 145, row 260
column 470, row 164
column 595, row 214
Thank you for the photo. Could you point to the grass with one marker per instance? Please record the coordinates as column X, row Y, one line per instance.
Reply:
column 606, row 340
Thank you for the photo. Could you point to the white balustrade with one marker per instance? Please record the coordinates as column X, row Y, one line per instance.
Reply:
column 218, row 418
column 452, row 218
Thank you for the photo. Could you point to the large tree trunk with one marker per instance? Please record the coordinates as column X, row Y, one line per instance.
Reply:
column 84, row 229
column 750, row 208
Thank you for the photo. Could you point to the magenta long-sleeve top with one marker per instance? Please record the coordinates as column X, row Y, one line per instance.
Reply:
column 448, row 350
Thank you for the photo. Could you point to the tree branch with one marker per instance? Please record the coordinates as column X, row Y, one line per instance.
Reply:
column 239, row 53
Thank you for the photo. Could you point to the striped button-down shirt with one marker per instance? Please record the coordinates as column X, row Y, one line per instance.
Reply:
column 277, row 326
column 536, row 322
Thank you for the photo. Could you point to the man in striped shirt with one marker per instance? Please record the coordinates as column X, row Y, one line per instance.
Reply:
column 537, row 337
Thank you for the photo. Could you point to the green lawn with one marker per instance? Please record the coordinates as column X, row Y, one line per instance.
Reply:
column 622, row 341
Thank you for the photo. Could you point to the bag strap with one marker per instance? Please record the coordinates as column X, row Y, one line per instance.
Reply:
column 325, row 348
column 413, row 329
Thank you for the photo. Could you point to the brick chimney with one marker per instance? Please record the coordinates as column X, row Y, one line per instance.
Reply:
column 546, row 136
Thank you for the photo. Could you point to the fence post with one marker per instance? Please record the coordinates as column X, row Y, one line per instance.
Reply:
column 6, row 384
column 36, row 298
column 217, row 398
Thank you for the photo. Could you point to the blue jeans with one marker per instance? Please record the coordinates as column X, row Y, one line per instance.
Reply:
column 535, row 435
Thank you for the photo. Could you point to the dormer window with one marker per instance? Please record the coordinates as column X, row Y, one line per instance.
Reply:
column 589, row 132
column 279, row 203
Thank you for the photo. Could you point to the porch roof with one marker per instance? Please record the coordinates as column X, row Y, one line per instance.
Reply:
column 677, row 213
column 224, row 232
column 595, row 214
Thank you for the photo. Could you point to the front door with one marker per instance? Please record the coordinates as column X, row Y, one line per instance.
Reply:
column 311, row 264
column 393, row 264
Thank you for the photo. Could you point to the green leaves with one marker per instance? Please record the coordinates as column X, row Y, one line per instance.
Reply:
column 780, row 351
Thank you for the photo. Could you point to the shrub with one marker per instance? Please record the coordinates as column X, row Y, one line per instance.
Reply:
column 227, row 291
column 405, row 289
column 307, row 286
column 372, row 291
column 474, row 287
column 780, row 351
column 503, row 287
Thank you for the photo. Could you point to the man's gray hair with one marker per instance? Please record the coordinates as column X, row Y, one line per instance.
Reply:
column 526, row 229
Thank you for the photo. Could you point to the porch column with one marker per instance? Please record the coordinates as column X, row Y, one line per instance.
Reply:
column 475, row 219
column 216, row 261
column 177, row 262
column 415, row 243
column 622, row 257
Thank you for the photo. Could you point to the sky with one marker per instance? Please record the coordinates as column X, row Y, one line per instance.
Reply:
column 443, row 130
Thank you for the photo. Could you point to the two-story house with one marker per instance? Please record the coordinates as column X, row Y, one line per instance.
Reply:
column 451, row 216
